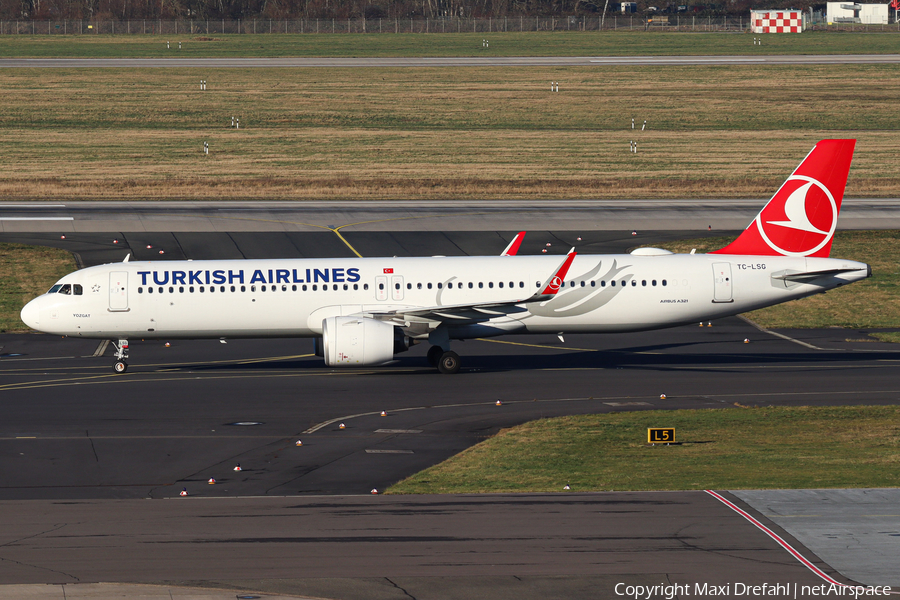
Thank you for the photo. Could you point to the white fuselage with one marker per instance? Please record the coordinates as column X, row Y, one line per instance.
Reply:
column 292, row 297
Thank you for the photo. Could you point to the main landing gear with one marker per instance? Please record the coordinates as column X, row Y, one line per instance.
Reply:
column 446, row 362
column 121, row 355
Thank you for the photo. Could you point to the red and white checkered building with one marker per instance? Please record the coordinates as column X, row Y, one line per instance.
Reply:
column 777, row 21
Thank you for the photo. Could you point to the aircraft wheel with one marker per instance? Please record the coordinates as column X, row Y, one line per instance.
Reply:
column 434, row 355
column 120, row 367
column 448, row 363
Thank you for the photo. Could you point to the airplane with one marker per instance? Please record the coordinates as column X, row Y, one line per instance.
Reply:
column 363, row 311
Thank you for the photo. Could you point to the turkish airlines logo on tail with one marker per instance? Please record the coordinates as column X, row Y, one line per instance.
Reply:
column 555, row 284
column 800, row 219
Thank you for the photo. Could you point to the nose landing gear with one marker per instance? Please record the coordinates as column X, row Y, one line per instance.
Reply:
column 121, row 355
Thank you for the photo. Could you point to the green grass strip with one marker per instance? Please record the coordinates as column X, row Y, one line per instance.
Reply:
column 736, row 448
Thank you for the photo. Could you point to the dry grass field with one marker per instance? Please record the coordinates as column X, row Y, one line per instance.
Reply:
column 432, row 134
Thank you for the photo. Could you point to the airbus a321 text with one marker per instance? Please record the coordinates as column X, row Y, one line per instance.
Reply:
column 364, row 311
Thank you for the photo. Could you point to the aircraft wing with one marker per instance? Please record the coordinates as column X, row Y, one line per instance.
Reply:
column 432, row 316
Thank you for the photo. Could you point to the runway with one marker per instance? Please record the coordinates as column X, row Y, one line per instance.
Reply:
column 472, row 61
column 93, row 462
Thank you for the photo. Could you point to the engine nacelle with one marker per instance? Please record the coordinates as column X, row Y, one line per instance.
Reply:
column 356, row 341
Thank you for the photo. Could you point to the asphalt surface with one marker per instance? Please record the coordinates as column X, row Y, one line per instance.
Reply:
column 404, row 217
column 491, row 546
column 473, row 61
column 93, row 462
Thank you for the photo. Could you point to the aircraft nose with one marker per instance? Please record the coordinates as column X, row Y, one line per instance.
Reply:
column 30, row 313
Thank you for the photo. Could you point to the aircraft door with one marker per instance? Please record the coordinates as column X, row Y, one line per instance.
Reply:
column 118, row 291
column 397, row 287
column 722, row 290
column 381, row 284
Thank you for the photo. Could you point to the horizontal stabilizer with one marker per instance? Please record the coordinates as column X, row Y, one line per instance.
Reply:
column 811, row 275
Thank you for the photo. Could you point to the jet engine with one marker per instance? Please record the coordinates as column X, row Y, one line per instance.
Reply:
column 357, row 341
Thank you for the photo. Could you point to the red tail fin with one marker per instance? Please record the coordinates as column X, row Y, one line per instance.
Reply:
column 801, row 217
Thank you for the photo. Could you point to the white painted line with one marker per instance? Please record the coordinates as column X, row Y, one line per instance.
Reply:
column 398, row 431
column 685, row 60
column 37, row 218
column 780, row 335
column 32, row 205
column 389, row 451
column 782, row 543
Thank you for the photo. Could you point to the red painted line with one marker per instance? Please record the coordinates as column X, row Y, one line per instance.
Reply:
column 778, row 539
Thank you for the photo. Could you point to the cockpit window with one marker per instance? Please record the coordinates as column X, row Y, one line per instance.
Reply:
column 66, row 289
column 55, row 288
column 77, row 289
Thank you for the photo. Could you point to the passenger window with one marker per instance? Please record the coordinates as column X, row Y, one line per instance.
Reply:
column 429, row 286
column 140, row 290
column 365, row 286
column 571, row 284
column 653, row 283
column 633, row 282
column 346, row 287
column 295, row 288
column 201, row 289
column 664, row 282
column 471, row 285
column 593, row 283
column 334, row 287
column 522, row 284
column 191, row 289
column 537, row 284
column 449, row 286
column 212, row 289
column 612, row 283
column 252, row 288
column 418, row 286
column 180, row 290
column 303, row 288
column 315, row 288
column 396, row 286
column 512, row 284
column 161, row 290
column 480, row 285
column 262, row 288
column 491, row 284
column 243, row 288
column 644, row 283
column 582, row 284
column 409, row 286
column 355, row 286
column 380, row 286
column 500, row 284
column 149, row 290
column 78, row 289
column 441, row 285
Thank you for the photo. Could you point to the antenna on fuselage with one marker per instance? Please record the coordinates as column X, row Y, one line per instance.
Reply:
column 127, row 256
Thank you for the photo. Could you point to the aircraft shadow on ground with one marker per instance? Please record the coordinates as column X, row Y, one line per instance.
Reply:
column 627, row 358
